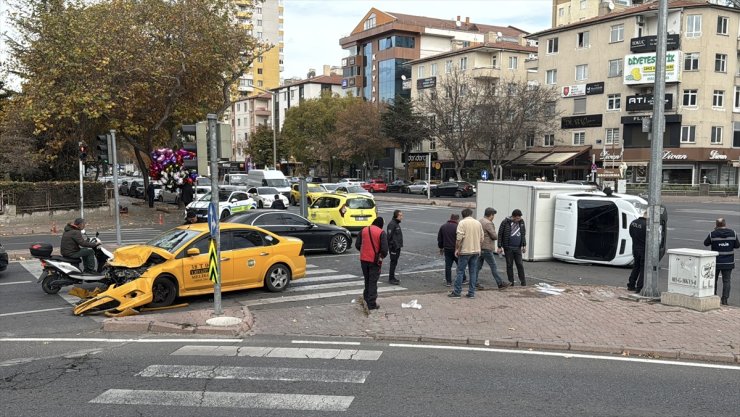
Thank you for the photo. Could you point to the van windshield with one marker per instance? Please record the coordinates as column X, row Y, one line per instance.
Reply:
column 237, row 179
column 277, row 182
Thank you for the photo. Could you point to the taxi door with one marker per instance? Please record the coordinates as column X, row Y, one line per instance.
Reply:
column 320, row 210
column 195, row 269
column 250, row 252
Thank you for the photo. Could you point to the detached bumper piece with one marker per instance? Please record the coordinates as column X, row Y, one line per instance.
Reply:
column 115, row 301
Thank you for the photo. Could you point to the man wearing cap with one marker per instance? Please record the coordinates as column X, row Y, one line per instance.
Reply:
column 75, row 246
column 512, row 241
column 488, row 246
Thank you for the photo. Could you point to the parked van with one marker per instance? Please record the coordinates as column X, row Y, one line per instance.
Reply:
column 236, row 178
column 269, row 178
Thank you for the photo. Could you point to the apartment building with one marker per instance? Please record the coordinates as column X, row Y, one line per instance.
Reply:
column 266, row 25
column 565, row 12
column 293, row 94
column 246, row 115
column 604, row 69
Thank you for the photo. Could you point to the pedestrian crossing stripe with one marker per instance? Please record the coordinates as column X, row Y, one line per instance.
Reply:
column 259, row 400
column 255, row 373
column 279, row 352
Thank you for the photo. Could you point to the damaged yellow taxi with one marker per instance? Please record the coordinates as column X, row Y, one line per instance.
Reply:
column 175, row 264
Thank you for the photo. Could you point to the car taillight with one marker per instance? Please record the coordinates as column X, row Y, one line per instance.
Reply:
column 343, row 210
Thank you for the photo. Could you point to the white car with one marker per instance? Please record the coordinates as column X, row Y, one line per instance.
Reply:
column 200, row 190
column 418, row 187
column 354, row 189
column 167, row 196
column 229, row 202
column 350, row 181
column 265, row 196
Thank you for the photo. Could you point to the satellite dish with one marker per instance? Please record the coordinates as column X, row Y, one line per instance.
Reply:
column 610, row 5
column 499, row 34
column 403, row 77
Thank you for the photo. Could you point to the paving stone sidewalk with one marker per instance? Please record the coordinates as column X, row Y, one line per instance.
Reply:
column 582, row 319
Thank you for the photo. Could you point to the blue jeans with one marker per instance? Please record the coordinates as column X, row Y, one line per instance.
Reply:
column 487, row 256
column 470, row 262
column 450, row 258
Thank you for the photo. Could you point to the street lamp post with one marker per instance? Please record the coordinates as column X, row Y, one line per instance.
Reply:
column 274, row 128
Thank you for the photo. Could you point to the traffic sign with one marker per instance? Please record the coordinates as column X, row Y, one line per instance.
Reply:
column 212, row 220
column 213, row 262
column 484, row 174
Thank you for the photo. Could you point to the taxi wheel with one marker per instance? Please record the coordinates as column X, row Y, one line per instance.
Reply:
column 164, row 292
column 277, row 278
column 338, row 244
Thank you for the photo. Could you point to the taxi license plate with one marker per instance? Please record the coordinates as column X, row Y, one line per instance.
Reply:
column 361, row 218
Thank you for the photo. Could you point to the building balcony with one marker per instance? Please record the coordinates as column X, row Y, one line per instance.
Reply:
column 486, row 72
column 353, row 61
column 245, row 88
column 356, row 81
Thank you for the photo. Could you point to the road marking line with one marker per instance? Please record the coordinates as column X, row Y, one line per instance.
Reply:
column 103, row 340
column 324, row 286
column 335, row 256
column 254, row 374
column 324, row 342
column 422, row 233
column 16, row 282
column 569, row 355
column 18, row 313
column 326, row 278
column 320, row 271
column 311, row 266
column 259, row 400
column 280, row 352
column 316, row 296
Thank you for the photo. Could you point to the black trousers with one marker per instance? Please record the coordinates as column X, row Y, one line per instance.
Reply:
column 371, row 272
column 514, row 255
column 637, row 277
column 394, row 262
column 726, row 276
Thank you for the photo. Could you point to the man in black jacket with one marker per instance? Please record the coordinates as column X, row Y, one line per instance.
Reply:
column 638, row 233
column 74, row 245
column 724, row 241
column 278, row 203
column 512, row 241
column 446, row 238
column 395, row 243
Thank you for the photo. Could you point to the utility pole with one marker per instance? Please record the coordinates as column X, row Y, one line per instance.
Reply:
column 115, row 185
column 83, row 155
column 213, row 159
column 652, row 258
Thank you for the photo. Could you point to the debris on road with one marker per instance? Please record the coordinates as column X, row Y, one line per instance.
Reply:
column 411, row 304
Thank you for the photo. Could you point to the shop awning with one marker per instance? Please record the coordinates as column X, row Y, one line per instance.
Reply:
column 557, row 158
column 551, row 157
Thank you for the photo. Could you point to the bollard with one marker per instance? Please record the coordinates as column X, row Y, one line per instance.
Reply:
column 161, row 219
column 54, row 228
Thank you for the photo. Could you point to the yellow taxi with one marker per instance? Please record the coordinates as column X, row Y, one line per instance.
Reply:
column 176, row 264
column 312, row 191
column 351, row 211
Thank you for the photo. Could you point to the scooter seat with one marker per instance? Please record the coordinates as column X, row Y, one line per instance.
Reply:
column 74, row 261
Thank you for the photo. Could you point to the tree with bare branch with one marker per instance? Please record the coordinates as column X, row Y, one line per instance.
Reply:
column 359, row 133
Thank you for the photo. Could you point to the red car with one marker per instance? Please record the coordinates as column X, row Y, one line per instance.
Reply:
column 375, row 186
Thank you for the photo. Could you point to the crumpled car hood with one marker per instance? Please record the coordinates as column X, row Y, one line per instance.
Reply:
column 136, row 255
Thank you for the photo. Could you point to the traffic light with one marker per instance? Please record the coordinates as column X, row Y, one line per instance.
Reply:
column 83, row 152
column 103, row 149
column 188, row 133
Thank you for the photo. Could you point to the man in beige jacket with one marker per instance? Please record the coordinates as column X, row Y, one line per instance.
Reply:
column 467, row 250
column 488, row 247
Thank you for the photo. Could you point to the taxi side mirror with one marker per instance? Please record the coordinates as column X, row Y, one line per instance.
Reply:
column 193, row 252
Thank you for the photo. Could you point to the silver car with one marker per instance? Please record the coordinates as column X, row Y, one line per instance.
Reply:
column 417, row 187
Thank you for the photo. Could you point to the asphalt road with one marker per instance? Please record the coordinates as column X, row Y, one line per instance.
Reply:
column 272, row 377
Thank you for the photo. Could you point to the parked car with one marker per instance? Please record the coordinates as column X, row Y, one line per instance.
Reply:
column 123, row 188
column 353, row 189
column 418, row 187
column 265, row 196
column 376, row 185
column 397, row 185
column 312, row 191
column 351, row 211
column 230, row 200
column 453, row 189
column 3, row 258
column 168, row 196
column 315, row 237
column 350, row 181
column 135, row 189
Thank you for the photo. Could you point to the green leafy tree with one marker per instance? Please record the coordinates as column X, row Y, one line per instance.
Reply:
column 404, row 126
column 360, row 137
column 261, row 144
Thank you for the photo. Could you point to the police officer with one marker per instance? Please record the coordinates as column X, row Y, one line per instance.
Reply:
column 724, row 241
column 638, row 233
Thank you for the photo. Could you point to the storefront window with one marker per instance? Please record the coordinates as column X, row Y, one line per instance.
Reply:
column 677, row 175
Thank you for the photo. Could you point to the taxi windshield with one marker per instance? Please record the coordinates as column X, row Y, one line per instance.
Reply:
column 173, row 240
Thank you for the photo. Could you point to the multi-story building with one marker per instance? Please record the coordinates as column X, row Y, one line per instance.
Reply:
column 266, row 25
column 565, row 12
column 246, row 115
column 604, row 68
column 292, row 95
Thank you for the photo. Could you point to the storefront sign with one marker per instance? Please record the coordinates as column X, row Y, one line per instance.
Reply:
column 423, row 83
column 669, row 155
column 638, row 103
column 640, row 68
column 421, row 157
column 650, row 43
column 406, row 84
column 637, row 120
column 606, row 156
column 715, row 155
column 609, row 173
column 575, row 122
column 633, row 156
column 595, row 88
column 573, row 90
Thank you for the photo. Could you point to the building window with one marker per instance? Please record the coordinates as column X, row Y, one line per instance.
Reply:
column 549, row 140
column 259, row 35
column 579, row 105
column 614, row 102
column 551, row 77
column 722, row 25
column 612, row 136
column 370, row 22
column 561, row 11
column 552, row 46
column 292, row 94
column 689, row 97
column 512, row 62
column 579, row 138
column 259, row 70
column 615, row 68
column 258, row 10
column 736, row 101
column 583, row 4
column 716, row 135
column 259, row 22
column 616, row 34
column 238, row 121
column 260, row 59
column 718, row 98
column 420, row 71
column 720, row 63
column 582, row 40
column 693, row 26
column 260, row 83
column 463, row 63
column 529, row 140
column 691, row 62
column 433, row 70
column 550, row 108
column 494, row 62
column 581, row 72
column 238, row 107
column 448, row 66
column 432, row 144
column 688, row 134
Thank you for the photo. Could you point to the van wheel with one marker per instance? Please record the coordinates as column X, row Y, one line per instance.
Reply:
column 277, row 278
column 164, row 292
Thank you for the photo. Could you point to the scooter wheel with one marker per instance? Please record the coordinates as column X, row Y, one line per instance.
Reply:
column 47, row 284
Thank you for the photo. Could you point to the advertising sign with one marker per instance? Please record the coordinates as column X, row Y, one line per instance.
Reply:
column 640, row 68
column 422, row 83
column 645, row 102
column 650, row 43
column 595, row 88
column 573, row 90
column 577, row 122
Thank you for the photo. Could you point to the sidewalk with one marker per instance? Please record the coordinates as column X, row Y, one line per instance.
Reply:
column 581, row 319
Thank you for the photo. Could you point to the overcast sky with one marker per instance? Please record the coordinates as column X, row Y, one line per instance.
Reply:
column 313, row 27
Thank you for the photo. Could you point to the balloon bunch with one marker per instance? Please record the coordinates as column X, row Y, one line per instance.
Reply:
column 167, row 168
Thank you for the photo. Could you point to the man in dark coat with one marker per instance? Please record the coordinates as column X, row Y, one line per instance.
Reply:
column 395, row 243
column 186, row 193
column 150, row 194
column 74, row 245
column 638, row 233
column 724, row 241
column 446, row 238
column 372, row 243
column 512, row 241
column 278, row 203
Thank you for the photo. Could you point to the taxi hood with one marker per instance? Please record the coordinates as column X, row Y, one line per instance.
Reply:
column 137, row 255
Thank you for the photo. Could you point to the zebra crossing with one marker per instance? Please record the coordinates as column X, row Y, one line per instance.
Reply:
column 388, row 208
column 323, row 378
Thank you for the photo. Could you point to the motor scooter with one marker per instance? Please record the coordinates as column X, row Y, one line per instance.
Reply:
column 60, row 271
